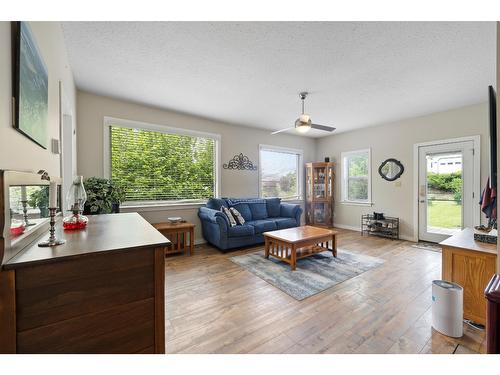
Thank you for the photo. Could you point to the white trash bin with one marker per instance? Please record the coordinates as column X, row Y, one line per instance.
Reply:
column 447, row 308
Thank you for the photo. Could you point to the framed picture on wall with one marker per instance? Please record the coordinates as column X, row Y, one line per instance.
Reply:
column 30, row 85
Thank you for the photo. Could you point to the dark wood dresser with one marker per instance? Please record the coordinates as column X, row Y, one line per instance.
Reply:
column 103, row 291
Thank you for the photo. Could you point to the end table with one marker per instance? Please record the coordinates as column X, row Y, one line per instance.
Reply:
column 178, row 234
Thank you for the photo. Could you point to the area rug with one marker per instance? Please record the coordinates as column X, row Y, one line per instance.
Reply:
column 430, row 246
column 314, row 274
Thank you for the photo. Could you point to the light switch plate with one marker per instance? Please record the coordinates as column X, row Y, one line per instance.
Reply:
column 54, row 143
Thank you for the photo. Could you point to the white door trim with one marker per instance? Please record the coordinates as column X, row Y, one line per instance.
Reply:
column 476, row 139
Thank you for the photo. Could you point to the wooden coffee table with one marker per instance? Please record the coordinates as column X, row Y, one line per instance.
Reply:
column 291, row 244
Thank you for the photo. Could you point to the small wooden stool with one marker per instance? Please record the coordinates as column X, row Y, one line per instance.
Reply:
column 177, row 234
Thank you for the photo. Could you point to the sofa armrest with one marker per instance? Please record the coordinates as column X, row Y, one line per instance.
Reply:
column 214, row 216
column 291, row 210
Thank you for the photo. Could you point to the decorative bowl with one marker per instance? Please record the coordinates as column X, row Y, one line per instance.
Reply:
column 175, row 219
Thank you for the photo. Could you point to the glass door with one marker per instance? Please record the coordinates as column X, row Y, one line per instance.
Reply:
column 445, row 189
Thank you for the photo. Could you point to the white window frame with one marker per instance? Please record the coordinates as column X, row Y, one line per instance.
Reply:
column 300, row 169
column 344, row 180
column 190, row 203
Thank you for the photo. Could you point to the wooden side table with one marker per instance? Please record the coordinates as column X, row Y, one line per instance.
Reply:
column 178, row 234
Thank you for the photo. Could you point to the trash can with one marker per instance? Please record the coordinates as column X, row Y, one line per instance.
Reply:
column 447, row 308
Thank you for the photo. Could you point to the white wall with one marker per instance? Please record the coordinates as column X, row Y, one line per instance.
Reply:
column 396, row 140
column 234, row 139
column 16, row 150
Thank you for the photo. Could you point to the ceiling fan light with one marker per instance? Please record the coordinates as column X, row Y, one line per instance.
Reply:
column 303, row 128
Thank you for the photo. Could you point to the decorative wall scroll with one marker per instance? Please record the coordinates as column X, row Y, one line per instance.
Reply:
column 240, row 162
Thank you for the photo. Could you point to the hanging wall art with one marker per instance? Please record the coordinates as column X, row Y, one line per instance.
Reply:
column 240, row 162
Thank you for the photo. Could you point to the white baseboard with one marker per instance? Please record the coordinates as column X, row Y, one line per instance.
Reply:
column 199, row 241
column 358, row 229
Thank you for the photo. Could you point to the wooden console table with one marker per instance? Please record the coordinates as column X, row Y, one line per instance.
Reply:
column 471, row 264
column 103, row 291
column 178, row 235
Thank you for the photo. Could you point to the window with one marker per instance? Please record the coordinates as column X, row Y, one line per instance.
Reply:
column 154, row 163
column 356, row 177
column 280, row 172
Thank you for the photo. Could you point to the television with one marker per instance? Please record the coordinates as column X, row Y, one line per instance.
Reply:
column 493, row 136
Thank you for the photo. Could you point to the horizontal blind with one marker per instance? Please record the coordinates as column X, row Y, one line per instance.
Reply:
column 157, row 166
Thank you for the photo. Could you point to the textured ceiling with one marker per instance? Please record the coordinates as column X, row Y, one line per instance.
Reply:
column 358, row 73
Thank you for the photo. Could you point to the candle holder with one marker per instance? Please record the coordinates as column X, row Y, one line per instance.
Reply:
column 52, row 240
column 25, row 214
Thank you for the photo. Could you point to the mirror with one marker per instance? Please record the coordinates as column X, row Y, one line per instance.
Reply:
column 24, row 213
column 391, row 169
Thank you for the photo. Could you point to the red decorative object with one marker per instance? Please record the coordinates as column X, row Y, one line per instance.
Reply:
column 17, row 227
column 75, row 221
column 75, row 201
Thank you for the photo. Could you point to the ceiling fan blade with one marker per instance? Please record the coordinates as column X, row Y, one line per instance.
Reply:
column 282, row 130
column 323, row 127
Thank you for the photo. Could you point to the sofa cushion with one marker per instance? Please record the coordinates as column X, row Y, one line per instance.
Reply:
column 244, row 210
column 237, row 216
column 259, row 210
column 229, row 215
column 285, row 222
column 273, row 207
column 216, row 203
column 289, row 210
column 261, row 226
column 241, row 230
column 235, row 201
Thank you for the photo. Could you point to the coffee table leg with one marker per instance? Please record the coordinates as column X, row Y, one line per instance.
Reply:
column 266, row 247
column 293, row 257
column 334, row 246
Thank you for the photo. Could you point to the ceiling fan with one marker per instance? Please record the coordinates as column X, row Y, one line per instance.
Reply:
column 303, row 124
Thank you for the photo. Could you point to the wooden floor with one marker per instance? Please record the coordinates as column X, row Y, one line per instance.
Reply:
column 215, row 306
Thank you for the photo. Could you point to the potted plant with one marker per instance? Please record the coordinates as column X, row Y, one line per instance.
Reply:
column 103, row 196
column 40, row 199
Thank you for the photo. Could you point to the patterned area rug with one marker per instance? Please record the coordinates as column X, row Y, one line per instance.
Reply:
column 314, row 274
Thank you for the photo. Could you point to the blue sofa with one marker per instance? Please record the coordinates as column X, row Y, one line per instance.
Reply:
column 261, row 215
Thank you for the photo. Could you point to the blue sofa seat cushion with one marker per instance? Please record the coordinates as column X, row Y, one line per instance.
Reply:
column 273, row 206
column 241, row 231
column 244, row 210
column 285, row 222
column 262, row 226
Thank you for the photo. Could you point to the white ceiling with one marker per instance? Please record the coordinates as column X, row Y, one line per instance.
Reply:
column 250, row 73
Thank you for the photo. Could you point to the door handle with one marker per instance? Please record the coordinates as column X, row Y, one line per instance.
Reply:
column 422, row 201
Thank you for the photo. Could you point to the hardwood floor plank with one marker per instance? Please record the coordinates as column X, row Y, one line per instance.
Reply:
column 216, row 306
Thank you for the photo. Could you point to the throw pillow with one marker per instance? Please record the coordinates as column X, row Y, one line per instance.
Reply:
column 229, row 216
column 237, row 216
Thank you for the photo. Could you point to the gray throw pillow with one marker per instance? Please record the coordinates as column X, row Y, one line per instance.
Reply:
column 237, row 216
column 228, row 215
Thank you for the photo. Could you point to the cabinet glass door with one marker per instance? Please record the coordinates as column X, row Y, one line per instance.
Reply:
column 320, row 213
column 319, row 183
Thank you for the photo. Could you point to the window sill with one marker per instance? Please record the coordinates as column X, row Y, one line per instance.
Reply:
column 363, row 204
column 161, row 207
column 293, row 201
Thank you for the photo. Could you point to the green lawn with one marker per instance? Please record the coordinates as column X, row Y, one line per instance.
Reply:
column 444, row 214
